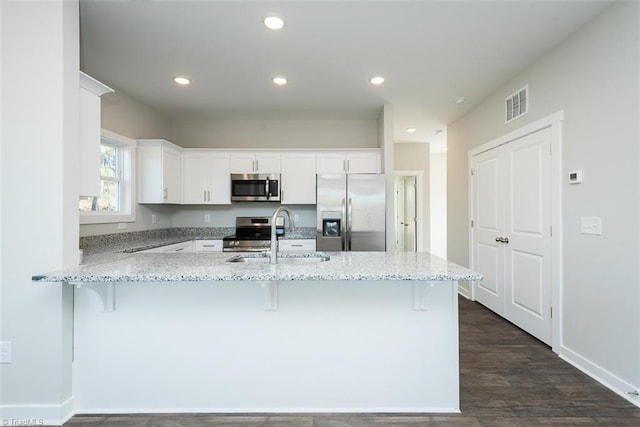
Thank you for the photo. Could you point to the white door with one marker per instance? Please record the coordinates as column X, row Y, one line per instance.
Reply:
column 512, row 231
column 400, row 214
column 527, row 225
column 410, row 213
column 488, row 257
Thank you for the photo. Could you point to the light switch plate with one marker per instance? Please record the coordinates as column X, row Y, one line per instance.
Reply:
column 591, row 225
column 5, row 352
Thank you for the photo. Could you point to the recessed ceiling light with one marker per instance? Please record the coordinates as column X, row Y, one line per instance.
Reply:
column 183, row 81
column 273, row 22
column 378, row 80
column 460, row 100
column 280, row 81
column 411, row 130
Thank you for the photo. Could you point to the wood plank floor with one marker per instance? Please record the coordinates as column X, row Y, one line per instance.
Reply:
column 507, row 378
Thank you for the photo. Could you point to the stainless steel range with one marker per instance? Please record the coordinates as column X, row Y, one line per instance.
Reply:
column 253, row 234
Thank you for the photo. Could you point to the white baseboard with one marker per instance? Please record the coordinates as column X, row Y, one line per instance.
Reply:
column 270, row 410
column 604, row 377
column 464, row 291
column 35, row 415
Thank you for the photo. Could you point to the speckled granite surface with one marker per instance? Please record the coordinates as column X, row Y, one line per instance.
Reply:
column 372, row 266
column 149, row 239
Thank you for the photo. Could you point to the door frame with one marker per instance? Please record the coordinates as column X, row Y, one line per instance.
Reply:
column 419, row 203
column 553, row 121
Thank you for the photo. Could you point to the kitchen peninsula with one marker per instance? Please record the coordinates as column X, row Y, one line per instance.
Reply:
column 360, row 332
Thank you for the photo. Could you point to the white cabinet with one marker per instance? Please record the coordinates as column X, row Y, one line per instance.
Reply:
column 206, row 177
column 207, row 246
column 298, row 180
column 360, row 161
column 293, row 245
column 184, row 247
column 159, row 171
column 255, row 162
column 90, row 92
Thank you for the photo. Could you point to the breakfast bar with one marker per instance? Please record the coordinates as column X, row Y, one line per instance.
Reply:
column 317, row 332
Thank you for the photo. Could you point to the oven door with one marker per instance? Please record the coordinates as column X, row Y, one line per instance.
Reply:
column 255, row 187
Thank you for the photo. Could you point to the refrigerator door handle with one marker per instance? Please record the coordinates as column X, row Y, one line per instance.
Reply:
column 343, row 236
column 349, row 225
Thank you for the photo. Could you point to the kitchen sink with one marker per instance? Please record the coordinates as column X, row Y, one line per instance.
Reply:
column 286, row 258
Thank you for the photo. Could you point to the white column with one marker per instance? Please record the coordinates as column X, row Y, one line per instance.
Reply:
column 39, row 199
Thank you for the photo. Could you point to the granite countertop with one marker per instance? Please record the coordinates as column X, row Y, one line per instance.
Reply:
column 190, row 267
column 150, row 239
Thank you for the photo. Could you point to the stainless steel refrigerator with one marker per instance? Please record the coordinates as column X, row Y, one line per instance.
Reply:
column 351, row 212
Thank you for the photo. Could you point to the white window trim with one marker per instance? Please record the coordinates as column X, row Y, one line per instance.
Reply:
column 127, row 212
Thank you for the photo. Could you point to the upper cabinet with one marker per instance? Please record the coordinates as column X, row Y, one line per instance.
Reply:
column 255, row 162
column 159, row 172
column 360, row 161
column 298, row 180
column 206, row 178
column 90, row 92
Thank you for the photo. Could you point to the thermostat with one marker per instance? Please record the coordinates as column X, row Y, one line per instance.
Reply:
column 575, row 177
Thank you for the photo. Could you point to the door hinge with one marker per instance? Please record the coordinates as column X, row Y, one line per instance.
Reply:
column 471, row 223
column 551, row 230
column 471, row 171
column 551, row 311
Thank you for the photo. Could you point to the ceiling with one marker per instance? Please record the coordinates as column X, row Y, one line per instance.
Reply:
column 429, row 52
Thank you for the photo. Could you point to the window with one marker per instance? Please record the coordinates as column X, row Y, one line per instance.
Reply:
column 115, row 202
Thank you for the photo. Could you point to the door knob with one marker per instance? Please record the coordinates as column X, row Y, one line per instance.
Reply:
column 502, row 239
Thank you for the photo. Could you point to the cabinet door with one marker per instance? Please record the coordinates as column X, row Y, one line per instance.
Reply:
column 332, row 162
column 219, row 177
column 268, row 163
column 299, row 178
column 244, row 162
column 207, row 246
column 295, row 245
column 363, row 162
column 171, row 176
column 195, row 178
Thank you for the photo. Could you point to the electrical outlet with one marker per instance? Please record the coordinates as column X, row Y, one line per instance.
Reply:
column 154, row 218
column 5, row 352
column 122, row 225
column 591, row 225
column 207, row 218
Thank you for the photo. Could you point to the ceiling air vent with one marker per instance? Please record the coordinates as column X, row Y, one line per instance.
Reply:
column 517, row 105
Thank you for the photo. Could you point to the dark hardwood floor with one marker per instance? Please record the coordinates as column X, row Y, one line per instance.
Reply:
column 507, row 378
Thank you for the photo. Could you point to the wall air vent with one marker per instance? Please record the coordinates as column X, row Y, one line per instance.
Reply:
column 517, row 104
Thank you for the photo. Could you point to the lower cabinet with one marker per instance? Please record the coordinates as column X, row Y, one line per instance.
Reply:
column 207, row 246
column 184, row 247
column 295, row 245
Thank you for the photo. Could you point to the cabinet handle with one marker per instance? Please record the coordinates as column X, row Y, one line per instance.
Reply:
column 165, row 193
column 348, row 165
column 208, row 195
column 204, row 195
column 257, row 166
column 502, row 240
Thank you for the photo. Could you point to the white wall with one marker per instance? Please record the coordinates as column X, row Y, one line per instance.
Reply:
column 593, row 77
column 275, row 133
column 225, row 215
column 415, row 157
column 39, row 228
column 129, row 117
column 438, row 204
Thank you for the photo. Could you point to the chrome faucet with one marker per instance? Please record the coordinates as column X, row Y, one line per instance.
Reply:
column 273, row 257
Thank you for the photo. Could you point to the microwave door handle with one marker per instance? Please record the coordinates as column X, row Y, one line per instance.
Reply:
column 266, row 188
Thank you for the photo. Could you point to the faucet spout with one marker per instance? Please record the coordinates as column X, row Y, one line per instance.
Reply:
column 273, row 257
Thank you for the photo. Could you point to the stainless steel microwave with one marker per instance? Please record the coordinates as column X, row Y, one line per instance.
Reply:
column 255, row 187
